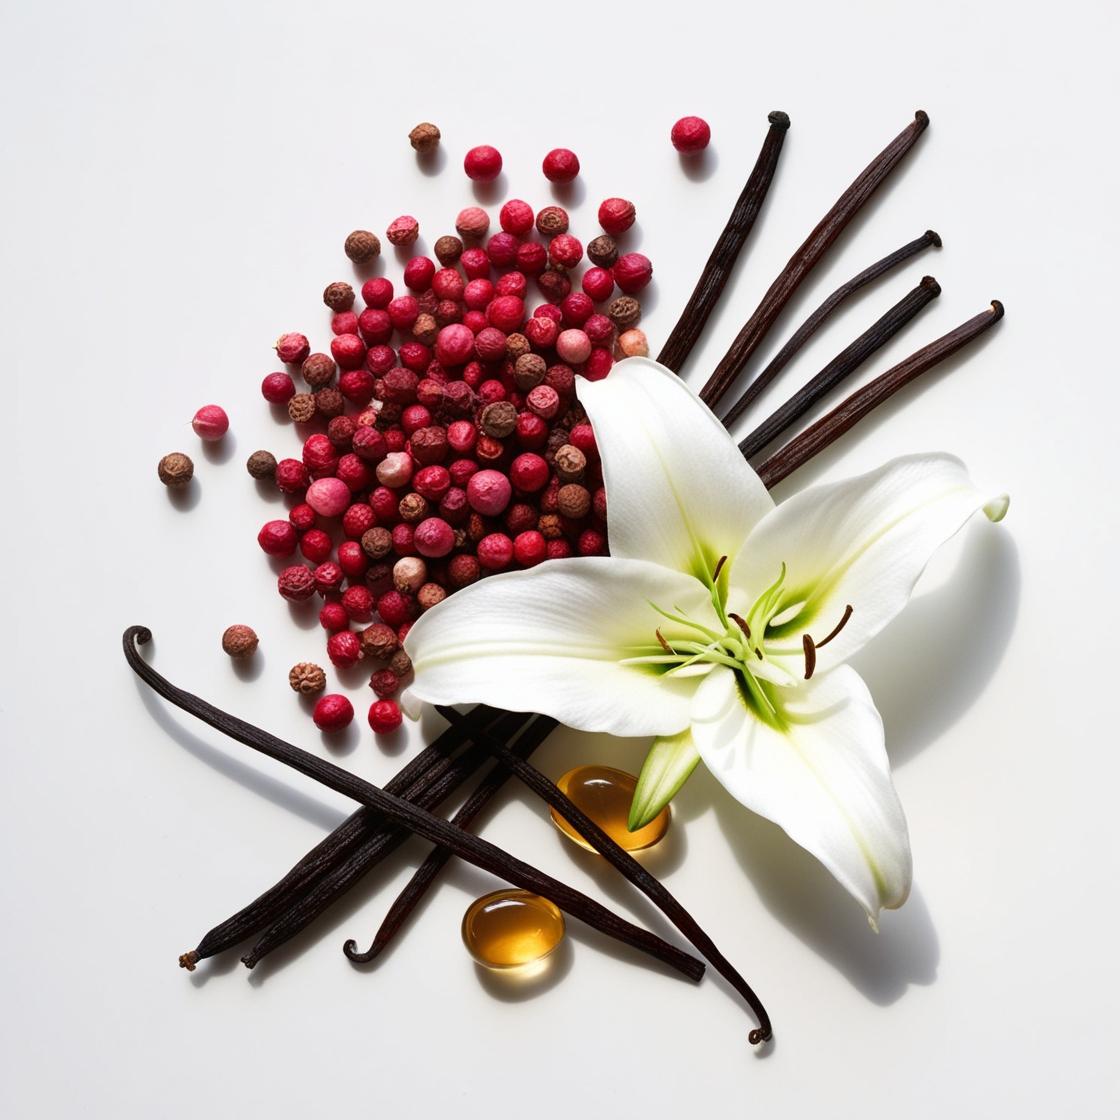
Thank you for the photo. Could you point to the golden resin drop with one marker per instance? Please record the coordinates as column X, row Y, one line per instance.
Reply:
column 509, row 929
column 604, row 794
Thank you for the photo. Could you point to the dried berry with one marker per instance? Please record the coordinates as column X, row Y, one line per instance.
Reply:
column 472, row 221
column 424, row 138
column 344, row 648
column 570, row 463
column 339, row 296
column 573, row 501
column 240, row 641
column 301, row 408
column 318, row 370
column 447, row 250
column 333, row 712
column 385, row 683
column 633, row 343
column 278, row 538
column 552, row 220
column 210, row 422
column 296, row 583
column 292, row 347
column 498, row 419
column 307, row 678
column 362, row 246
column 400, row 664
column 430, row 595
column 616, row 215
column 261, row 464
column 603, row 251
column 379, row 641
column 384, row 716
column 561, row 165
column 176, row 469
column 483, row 164
column 403, row 230
column 691, row 134
column 278, row 388
column 329, row 402
column 624, row 312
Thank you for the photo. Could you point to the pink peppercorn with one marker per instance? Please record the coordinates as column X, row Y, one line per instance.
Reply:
column 690, row 134
column 561, row 165
column 319, row 454
column 502, row 249
column 348, row 350
column 328, row 579
column 302, row 517
column 333, row 617
column 418, row 274
column 358, row 603
column 431, row 482
column 385, row 683
column 472, row 221
column 328, row 497
column 489, row 492
column 332, row 712
column 592, row 543
column 210, row 422
column 529, row 472
column 414, row 356
column 461, row 436
column 429, row 391
column 544, row 400
column 278, row 388
column 565, row 251
column 395, row 440
column 370, row 444
column 315, row 545
column 463, row 569
column 433, row 537
column 352, row 560
column 403, row 312
column 377, row 292
column 344, row 648
column 344, row 322
column 448, row 284
column 552, row 220
column 296, row 583
column 582, row 436
column 576, row 309
column 415, row 417
column 632, row 272
column 395, row 469
column 475, row 264
column 558, row 549
column 454, row 345
column 542, row 332
column 511, row 284
column 478, row 294
column 529, row 548
column 483, row 164
column 395, row 608
column 291, row 476
column 277, row 538
column 516, row 217
column 353, row 473
column 490, row 344
column 598, row 364
column 403, row 230
column 461, row 471
column 375, row 326
column 292, row 347
column 474, row 320
column 380, row 359
column 572, row 346
column 356, row 385
column 532, row 257
column 403, row 538
column 554, row 285
column 616, row 215
column 599, row 329
column 384, row 716
column 531, row 431
column 495, row 552
column 506, row 313
column 598, row 283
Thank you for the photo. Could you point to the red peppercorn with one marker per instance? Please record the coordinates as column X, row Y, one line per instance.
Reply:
column 690, row 134
column 375, row 326
column 353, row 472
column 358, row 603
column 490, row 344
column 383, row 502
column 434, row 537
column 561, row 165
column 478, row 294
column 529, row 548
column 415, row 357
column 380, row 359
column 511, row 284
column 333, row 617
column 461, row 436
column 402, row 536
column 291, row 476
column 377, row 292
column 592, row 543
column 516, row 217
column 506, row 313
column 278, row 538
column 403, row 312
column 565, row 251
column 582, row 436
column 489, row 491
column 332, row 712
column 495, row 552
column 278, row 388
column 599, row 328
column 356, row 385
column 370, row 444
column 558, row 549
column 348, row 350
column 315, row 545
column 432, row 482
column 292, row 348
column 403, row 230
column 632, row 272
column 418, row 273
column 491, row 391
column 531, row 431
column 328, row 578
column 461, row 471
column 384, row 716
column 395, row 441
column 344, row 648
column 502, row 249
column 345, row 322
column 396, row 608
column 544, row 400
column 542, row 332
column 448, row 284
column 528, row 472
column 385, row 683
column 319, row 454
column 576, row 309
column 455, row 343
column 463, row 569
column 554, row 284
column 532, row 257
column 616, row 215
column 296, row 583
column 598, row 283
column 302, row 517
column 483, row 163
column 598, row 365
column 352, row 559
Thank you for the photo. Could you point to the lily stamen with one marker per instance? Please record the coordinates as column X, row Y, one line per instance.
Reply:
column 662, row 642
column 741, row 622
column 810, row 655
column 719, row 568
column 837, row 628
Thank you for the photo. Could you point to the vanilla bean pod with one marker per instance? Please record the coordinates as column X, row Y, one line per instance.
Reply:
column 713, row 279
column 407, row 901
column 338, row 844
column 806, row 258
column 842, row 366
column 471, row 848
column 854, row 408
column 622, row 860
column 813, row 323
column 382, row 840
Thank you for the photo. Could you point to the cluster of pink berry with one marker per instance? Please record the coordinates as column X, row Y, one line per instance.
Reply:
column 444, row 439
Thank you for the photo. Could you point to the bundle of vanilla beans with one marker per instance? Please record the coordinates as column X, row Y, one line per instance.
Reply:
column 409, row 802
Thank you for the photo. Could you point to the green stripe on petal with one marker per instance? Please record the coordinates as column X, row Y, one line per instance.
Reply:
column 667, row 767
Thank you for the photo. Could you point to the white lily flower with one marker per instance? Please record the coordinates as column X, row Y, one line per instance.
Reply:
column 720, row 623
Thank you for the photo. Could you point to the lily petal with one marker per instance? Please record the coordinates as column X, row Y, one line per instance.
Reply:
column 819, row 771
column 550, row 640
column 669, row 764
column 864, row 542
column 678, row 490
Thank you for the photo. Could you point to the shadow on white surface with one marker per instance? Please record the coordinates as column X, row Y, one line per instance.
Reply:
column 219, row 450
column 569, row 195
column 185, row 498
column 699, row 166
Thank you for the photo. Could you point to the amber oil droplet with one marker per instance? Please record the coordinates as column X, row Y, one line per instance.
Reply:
column 510, row 929
column 604, row 794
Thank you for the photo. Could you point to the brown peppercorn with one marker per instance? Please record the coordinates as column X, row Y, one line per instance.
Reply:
column 529, row 371
column 329, row 402
column 570, row 463
column 318, row 370
column 377, row 542
column 447, row 312
column 516, row 345
column 239, row 641
column 175, row 469
column 340, row 431
column 400, row 664
column 413, row 508
column 549, row 527
column 379, row 640
column 424, row 138
column 427, row 302
column 448, row 250
column 552, row 220
column 425, row 329
column 362, row 246
column 429, row 445
column 477, row 527
column 379, row 577
column 573, row 501
column 301, row 408
column 603, row 251
column 430, row 595
column 261, row 464
column 624, row 312
column 498, row 419
column 307, row 678
column 577, row 414
column 554, row 284
column 339, row 296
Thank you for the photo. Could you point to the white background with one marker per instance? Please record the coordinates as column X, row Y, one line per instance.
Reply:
column 178, row 182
